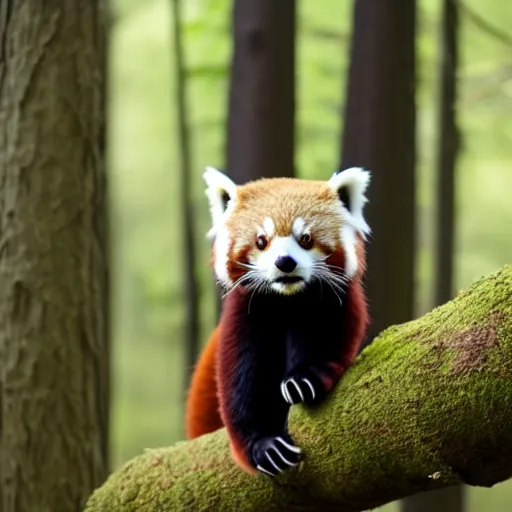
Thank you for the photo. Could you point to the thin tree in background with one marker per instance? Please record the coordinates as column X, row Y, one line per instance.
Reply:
column 448, row 148
column 191, row 285
column 379, row 134
column 450, row 499
column 261, row 112
column 54, row 386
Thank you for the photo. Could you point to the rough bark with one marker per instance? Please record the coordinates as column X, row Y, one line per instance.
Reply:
column 451, row 499
column 379, row 134
column 261, row 121
column 53, row 255
column 426, row 406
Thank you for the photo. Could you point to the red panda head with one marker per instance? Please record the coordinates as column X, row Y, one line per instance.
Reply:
column 281, row 234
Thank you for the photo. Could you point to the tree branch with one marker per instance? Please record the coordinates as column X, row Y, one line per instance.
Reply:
column 426, row 406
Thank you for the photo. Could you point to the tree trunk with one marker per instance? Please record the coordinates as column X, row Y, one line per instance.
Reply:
column 190, row 284
column 451, row 499
column 379, row 134
column 261, row 124
column 448, row 147
column 53, row 255
column 425, row 407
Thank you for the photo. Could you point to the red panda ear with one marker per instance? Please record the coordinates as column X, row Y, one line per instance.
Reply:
column 221, row 192
column 350, row 185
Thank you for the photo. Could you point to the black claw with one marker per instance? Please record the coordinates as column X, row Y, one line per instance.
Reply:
column 293, row 391
column 273, row 455
column 274, row 460
column 265, row 471
column 302, row 387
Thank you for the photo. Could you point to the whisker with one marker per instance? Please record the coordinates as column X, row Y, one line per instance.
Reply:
column 248, row 276
column 337, row 279
column 338, row 275
column 245, row 265
column 314, row 279
column 333, row 268
column 333, row 276
column 257, row 289
column 250, row 300
column 332, row 271
column 334, row 291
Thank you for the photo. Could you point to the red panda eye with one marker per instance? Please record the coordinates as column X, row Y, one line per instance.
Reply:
column 261, row 242
column 305, row 241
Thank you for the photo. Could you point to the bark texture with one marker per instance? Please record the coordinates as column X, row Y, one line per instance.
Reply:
column 53, row 255
column 426, row 406
column 261, row 124
column 379, row 134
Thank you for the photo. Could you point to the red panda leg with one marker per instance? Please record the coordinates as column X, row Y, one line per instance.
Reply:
column 202, row 408
column 319, row 353
column 251, row 364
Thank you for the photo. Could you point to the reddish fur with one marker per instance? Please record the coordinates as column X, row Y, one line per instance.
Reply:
column 356, row 318
column 353, row 328
column 226, row 365
column 283, row 200
column 202, row 408
column 205, row 410
column 235, row 270
column 337, row 258
column 356, row 322
column 329, row 380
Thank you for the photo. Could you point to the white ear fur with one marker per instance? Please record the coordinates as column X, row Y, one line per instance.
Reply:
column 350, row 185
column 353, row 183
column 218, row 185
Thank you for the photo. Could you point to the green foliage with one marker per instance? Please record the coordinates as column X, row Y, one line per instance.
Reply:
column 148, row 284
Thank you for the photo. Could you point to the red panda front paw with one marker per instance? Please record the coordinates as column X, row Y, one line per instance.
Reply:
column 273, row 455
column 302, row 387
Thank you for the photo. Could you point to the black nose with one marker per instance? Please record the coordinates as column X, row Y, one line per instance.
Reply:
column 285, row 264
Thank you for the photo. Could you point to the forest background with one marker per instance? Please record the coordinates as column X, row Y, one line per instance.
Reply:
column 147, row 239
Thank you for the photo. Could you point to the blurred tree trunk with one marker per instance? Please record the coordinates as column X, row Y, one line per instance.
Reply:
column 448, row 148
column 54, row 357
column 379, row 134
column 191, row 285
column 452, row 498
column 261, row 124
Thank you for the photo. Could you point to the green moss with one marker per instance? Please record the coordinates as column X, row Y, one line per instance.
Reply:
column 425, row 406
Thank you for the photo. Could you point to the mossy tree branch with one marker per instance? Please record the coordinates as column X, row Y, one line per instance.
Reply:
column 427, row 405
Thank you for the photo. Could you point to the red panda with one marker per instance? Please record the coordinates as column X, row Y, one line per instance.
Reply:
column 290, row 255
